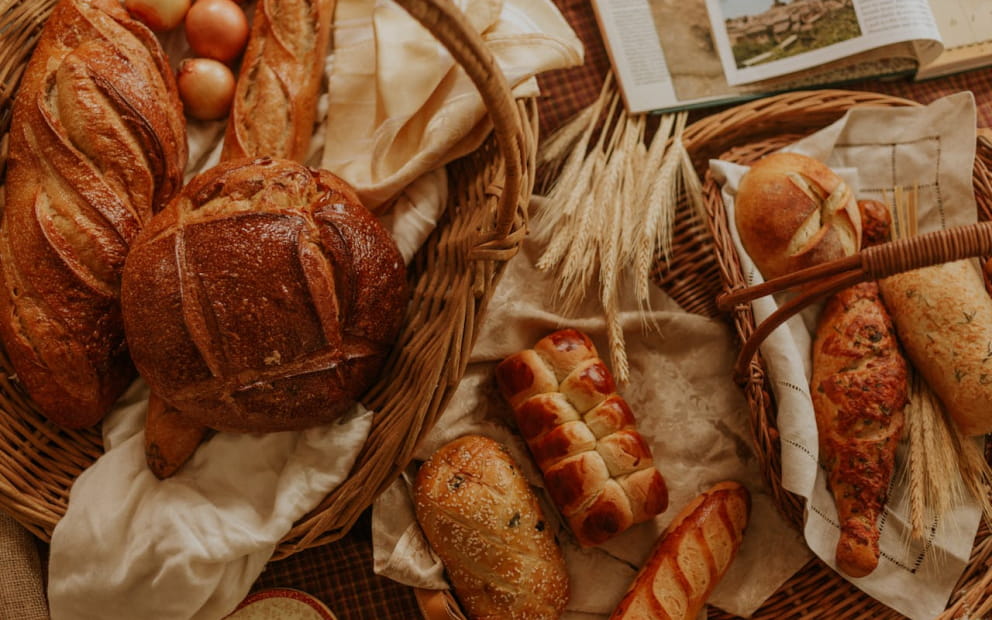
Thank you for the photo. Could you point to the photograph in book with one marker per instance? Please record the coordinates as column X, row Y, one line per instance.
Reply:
column 679, row 54
column 770, row 30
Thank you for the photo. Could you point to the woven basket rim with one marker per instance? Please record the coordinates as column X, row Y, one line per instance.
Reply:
column 742, row 134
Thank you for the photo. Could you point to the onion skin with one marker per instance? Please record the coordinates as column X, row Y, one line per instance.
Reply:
column 206, row 88
column 217, row 29
column 158, row 15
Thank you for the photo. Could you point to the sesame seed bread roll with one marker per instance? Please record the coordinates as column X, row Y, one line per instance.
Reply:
column 482, row 518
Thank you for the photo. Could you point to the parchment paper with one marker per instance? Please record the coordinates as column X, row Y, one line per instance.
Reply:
column 687, row 407
column 933, row 147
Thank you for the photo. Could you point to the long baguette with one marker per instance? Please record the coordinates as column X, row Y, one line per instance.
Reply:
column 97, row 144
column 275, row 100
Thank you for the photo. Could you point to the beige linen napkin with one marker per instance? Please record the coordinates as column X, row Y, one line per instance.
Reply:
column 687, row 407
column 130, row 546
column 399, row 106
column 934, row 147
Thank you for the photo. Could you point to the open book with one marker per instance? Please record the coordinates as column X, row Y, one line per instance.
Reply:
column 678, row 54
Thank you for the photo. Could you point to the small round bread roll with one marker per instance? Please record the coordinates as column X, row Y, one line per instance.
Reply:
column 793, row 211
column 264, row 298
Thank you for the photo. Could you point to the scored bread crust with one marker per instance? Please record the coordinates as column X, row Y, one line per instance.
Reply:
column 792, row 212
column 482, row 518
column 275, row 99
column 97, row 144
column 690, row 557
column 265, row 297
column 597, row 468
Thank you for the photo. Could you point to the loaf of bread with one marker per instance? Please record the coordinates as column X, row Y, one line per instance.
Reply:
column 792, row 212
column 482, row 518
column 690, row 557
column 876, row 222
column 596, row 465
column 943, row 318
column 275, row 98
column 97, row 144
column 859, row 387
column 265, row 297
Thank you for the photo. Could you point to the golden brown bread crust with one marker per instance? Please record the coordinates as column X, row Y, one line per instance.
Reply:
column 97, row 143
column 481, row 517
column 859, row 387
column 170, row 438
column 792, row 212
column 597, row 467
column 275, row 100
column 265, row 297
column 690, row 557
column 943, row 316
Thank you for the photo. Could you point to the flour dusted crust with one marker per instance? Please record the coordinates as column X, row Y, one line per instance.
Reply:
column 97, row 144
column 482, row 518
column 793, row 211
column 597, row 467
column 943, row 317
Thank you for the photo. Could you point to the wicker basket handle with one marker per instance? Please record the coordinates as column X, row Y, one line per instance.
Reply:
column 451, row 28
column 880, row 261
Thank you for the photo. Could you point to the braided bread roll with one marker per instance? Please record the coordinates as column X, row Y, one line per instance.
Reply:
column 482, row 518
column 97, row 144
column 690, row 558
column 596, row 465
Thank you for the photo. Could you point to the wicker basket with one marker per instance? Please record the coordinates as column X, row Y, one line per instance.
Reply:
column 744, row 134
column 452, row 278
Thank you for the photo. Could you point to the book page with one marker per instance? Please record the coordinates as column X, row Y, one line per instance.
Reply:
column 763, row 39
column 966, row 28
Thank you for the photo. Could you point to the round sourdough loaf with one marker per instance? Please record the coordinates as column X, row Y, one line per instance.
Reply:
column 265, row 297
column 792, row 212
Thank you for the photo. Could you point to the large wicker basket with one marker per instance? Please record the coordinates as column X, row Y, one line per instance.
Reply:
column 743, row 134
column 452, row 278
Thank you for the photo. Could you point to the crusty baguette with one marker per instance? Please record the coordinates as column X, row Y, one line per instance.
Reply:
column 97, row 144
column 690, row 558
column 482, row 518
column 859, row 386
column 597, row 467
column 943, row 317
column 275, row 100
column 792, row 211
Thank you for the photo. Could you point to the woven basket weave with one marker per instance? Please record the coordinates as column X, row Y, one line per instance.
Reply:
column 744, row 134
column 452, row 278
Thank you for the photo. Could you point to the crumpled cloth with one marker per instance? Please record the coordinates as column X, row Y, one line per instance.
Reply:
column 130, row 546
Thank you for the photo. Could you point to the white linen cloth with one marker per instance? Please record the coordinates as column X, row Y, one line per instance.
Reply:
column 687, row 408
column 934, row 147
column 130, row 546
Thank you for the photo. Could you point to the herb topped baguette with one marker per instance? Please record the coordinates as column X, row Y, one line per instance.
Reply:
column 943, row 317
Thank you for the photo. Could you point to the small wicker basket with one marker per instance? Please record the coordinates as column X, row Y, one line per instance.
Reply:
column 744, row 134
column 452, row 278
